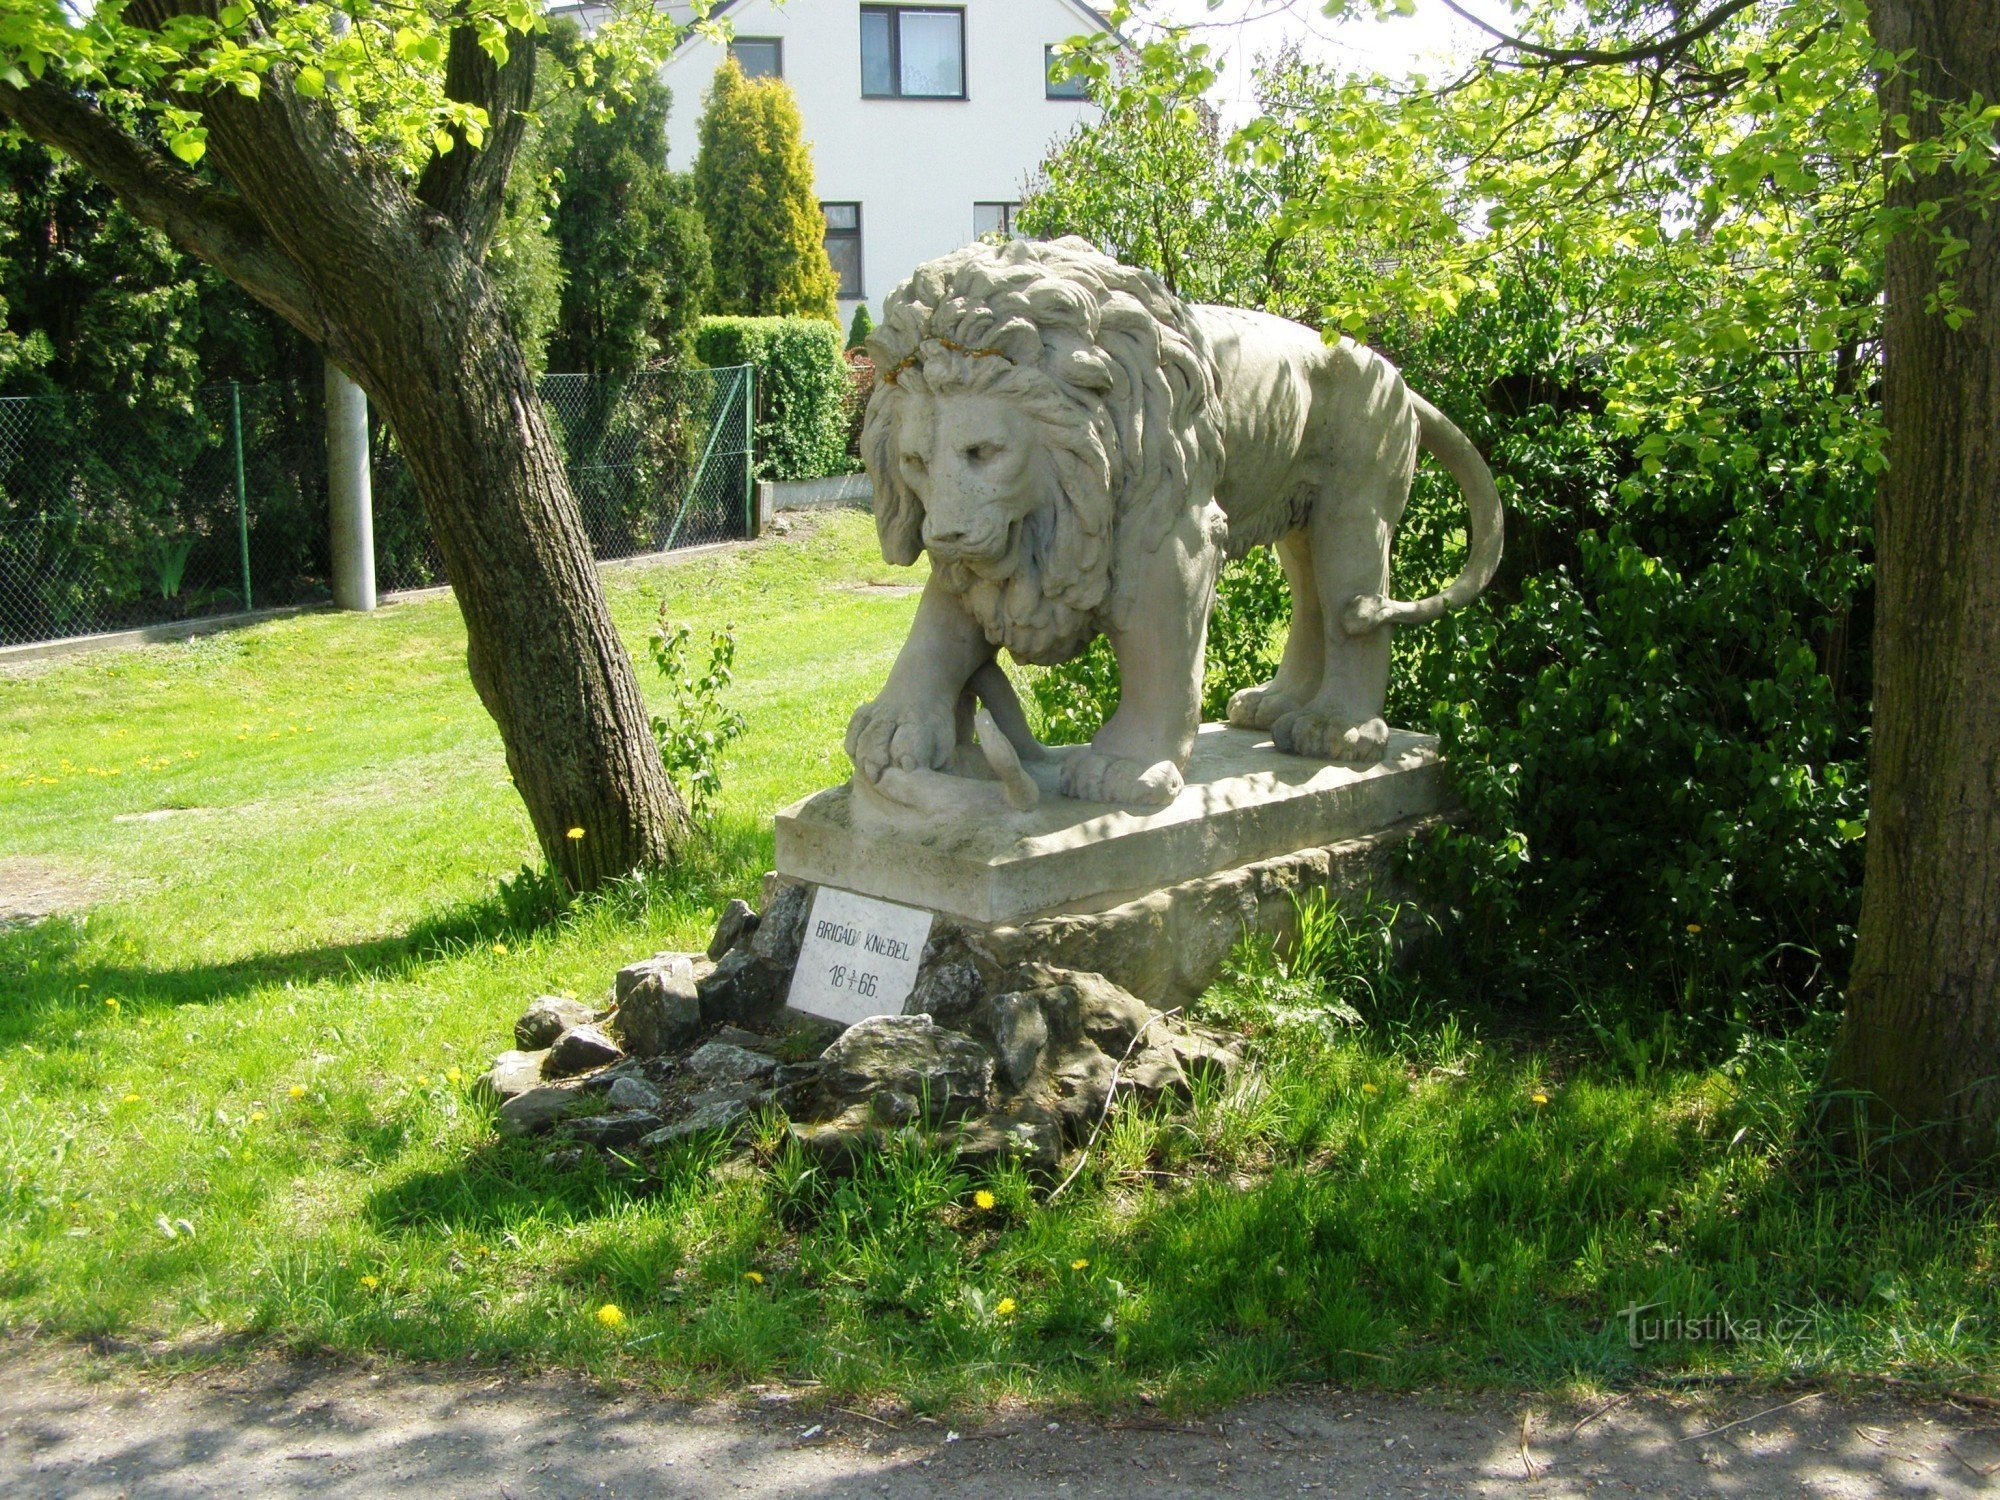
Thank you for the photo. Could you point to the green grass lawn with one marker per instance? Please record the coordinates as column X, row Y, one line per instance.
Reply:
column 235, row 1104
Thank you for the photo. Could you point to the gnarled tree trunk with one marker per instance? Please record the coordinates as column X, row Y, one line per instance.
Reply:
column 387, row 280
column 1920, row 1043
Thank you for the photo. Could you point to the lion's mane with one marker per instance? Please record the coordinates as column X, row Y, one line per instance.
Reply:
column 1120, row 381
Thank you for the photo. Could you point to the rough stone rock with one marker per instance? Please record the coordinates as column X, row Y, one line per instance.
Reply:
column 1027, row 1133
column 1082, row 1084
column 716, row 1110
column 536, row 1110
column 782, row 928
column 836, row 1145
column 659, row 1007
column 749, row 1041
column 1019, row 1032
column 614, row 1131
column 949, row 991
column 744, row 989
column 632, row 1093
column 548, row 1018
column 738, row 921
column 578, row 1050
column 947, row 1070
column 721, row 1062
column 514, row 1073
column 1155, row 1072
column 1204, row 1058
column 1081, row 1006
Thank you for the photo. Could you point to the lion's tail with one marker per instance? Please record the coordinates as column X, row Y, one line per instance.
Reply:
column 1454, row 450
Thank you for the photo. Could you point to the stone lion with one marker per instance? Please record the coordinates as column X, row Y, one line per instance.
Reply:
column 1079, row 451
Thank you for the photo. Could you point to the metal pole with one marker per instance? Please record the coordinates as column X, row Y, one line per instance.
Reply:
column 242, row 489
column 750, row 451
column 350, row 501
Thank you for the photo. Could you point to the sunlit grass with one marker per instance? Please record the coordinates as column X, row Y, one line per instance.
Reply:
column 270, row 1137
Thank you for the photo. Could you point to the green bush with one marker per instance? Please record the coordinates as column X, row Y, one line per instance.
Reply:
column 801, row 389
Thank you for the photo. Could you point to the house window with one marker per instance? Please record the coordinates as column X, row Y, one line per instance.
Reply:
column 912, row 52
column 1060, row 86
column 994, row 218
column 843, row 245
column 759, row 56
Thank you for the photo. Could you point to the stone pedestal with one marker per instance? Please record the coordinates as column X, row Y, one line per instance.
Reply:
column 1152, row 899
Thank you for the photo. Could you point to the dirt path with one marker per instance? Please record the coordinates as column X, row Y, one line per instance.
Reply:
column 69, row 1427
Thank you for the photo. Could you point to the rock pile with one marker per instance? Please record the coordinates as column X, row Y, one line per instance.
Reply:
column 1016, row 1061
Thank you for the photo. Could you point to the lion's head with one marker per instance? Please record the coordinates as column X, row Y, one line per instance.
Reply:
column 1031, row 400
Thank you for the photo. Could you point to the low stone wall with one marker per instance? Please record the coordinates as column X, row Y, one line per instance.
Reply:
column 775, row 496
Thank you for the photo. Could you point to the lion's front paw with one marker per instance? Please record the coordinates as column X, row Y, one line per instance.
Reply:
column 912, row 736
column 1329, row 737
column 1091, row 776
column 1260, row 707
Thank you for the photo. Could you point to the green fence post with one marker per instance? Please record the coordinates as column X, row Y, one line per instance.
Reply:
column 750, row 451
column 242, row 489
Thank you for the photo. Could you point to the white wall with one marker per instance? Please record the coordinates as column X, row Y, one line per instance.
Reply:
column 916, row 166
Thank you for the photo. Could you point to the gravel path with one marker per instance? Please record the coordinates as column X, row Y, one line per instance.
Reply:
column 74, row 1426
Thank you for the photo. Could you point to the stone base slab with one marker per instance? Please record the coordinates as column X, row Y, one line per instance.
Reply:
column 1246, row 804
column 1166, row 946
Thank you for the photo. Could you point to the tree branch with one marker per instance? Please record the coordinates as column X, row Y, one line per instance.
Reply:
column 467, row 183
column 1663, row 48
column 208, row 222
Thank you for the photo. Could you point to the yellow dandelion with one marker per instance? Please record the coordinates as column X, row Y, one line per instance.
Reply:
column 1081, row 1263
column 256, row 1115
column 1369, row 1088
column 111, row 1002
column 131, row 1099
column 1005, row 1308
column 984, row 1200
column 499, row 947
column 575, row 834
column 1694, row 929
column 297, row 1091
column 610, row 1315
column 756, row 1276
column 453, row 1075
column 371, row 1282
column 1539, row 1097
column 423, row 1080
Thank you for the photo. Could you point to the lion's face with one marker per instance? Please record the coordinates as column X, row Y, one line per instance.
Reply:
column 977, row 467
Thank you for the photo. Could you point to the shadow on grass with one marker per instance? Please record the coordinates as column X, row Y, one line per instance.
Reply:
column 56, row 974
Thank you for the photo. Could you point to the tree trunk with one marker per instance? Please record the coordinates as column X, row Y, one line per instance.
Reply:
column 1920, row 1042
column 388, row 281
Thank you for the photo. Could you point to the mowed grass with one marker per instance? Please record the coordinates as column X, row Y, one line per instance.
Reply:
column 236, row 1107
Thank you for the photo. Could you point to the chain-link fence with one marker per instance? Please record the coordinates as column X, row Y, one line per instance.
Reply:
column 114, row 516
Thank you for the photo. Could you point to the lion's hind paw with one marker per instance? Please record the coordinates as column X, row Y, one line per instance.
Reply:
column 1328, row 737
column 1090, row 776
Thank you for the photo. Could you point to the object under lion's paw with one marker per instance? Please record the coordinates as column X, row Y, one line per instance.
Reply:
column 911, row 736
column 1091, row 776
column 1260, row 707
column 1328, row 737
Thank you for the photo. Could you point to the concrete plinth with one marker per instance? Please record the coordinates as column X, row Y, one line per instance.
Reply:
column 1245, row 802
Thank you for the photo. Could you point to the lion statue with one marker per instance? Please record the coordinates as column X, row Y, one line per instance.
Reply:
column 1079, row 451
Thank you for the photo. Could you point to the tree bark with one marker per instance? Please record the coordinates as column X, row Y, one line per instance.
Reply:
column 1919, row 1048
column 388, row 282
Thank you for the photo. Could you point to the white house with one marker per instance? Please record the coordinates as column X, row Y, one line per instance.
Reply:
column 925, row 120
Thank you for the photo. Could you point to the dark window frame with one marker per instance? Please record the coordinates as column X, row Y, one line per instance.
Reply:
column 895, row 13
column 860, row 247
column 1050, row 83
column 777, row 43
column 1008, row 207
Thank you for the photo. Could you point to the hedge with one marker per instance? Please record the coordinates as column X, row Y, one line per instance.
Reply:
column 801, row 390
